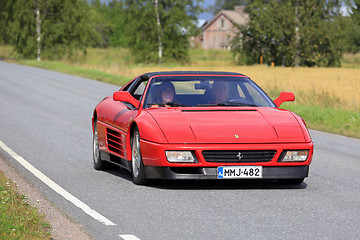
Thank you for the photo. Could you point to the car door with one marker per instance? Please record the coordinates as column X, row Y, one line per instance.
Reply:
column 115, row 118
column 119, row 114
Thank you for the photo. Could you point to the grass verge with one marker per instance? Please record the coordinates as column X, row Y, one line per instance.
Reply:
column 327, row 119
column 76, row 70
column 19, row 220
column 322, row 111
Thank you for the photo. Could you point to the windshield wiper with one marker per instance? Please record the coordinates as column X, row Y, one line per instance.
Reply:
column 175, row 104
column 206, row 105
column 227, row 104
column 236, row 104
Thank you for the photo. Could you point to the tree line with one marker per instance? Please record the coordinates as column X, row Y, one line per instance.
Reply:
column 288, row 33
column 153, row 29
column 298, row 32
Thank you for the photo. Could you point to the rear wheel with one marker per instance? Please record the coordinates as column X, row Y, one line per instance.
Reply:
column 137, row 165
column 292, row 181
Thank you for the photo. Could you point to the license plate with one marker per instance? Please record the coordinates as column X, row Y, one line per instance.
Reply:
column 239, row 172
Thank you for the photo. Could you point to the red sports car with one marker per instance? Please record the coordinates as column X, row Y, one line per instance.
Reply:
column 200, row 125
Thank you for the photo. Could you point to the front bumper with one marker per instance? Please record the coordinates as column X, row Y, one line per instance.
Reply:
column 153, row 154
column 155, row 172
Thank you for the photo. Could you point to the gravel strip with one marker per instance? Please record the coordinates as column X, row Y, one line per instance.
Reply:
column 63, row 228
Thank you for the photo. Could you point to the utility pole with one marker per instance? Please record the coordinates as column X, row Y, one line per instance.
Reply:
column 156, row 2
column 38, row 31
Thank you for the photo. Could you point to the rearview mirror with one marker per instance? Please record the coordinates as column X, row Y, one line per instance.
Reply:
column 124, row 96
column 202, row 85
column 284, row 97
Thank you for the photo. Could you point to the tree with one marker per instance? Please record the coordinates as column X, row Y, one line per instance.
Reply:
column 116, row 16
column 65, row 27
column 6, row 11
column 289, row 32
column 159, row 29
column 160, row 24
column 227, row 5
column 100, row 22
column 354, row 27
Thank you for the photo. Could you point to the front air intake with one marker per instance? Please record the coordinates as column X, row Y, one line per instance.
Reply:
column 238, row 156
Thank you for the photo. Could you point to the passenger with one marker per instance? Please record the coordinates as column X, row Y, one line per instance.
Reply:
column 221, row 91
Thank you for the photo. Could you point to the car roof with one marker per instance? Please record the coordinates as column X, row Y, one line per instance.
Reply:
column 151, row 74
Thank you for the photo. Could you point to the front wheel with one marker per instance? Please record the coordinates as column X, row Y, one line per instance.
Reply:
column 137, row 165
column 99, row 164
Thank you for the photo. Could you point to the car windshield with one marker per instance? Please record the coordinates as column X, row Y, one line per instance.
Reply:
column 199, row 91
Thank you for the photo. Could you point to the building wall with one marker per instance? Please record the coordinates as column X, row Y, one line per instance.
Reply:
column 218, row 34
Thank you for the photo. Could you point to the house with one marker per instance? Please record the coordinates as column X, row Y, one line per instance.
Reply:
column 219, row 31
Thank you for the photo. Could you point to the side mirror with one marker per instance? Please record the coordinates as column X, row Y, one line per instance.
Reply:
column 284, row 97
column 124, row 96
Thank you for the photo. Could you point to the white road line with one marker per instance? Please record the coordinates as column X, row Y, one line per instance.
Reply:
column 56, row 187
column 129, row 237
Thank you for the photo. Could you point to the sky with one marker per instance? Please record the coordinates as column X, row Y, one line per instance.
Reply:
column 206, row 15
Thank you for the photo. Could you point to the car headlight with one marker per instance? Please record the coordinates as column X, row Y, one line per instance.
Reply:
column 180, row 156
column 294, row 156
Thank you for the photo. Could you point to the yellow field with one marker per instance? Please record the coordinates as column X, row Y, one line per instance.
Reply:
column 336, row 87
column 339, row 87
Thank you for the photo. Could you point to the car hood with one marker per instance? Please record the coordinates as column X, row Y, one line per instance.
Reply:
column 228, row 125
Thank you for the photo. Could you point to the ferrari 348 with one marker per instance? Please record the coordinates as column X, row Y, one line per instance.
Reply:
column 200, row 125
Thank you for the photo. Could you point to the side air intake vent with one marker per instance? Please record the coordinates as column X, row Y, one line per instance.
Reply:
column 115, row 141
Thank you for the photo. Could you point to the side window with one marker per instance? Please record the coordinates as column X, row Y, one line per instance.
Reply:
column 255, row 95
column 138, row 91
column 130, row 85
column 126, row 88
column 240, row 91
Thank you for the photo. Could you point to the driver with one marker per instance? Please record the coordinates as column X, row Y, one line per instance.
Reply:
column 164, row 95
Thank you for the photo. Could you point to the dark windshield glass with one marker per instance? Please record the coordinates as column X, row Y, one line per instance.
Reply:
column 205, row 91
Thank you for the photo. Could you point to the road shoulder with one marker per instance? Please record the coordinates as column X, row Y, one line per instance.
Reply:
column 62, row 226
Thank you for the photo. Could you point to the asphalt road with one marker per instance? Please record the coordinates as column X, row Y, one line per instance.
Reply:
column 45, row 117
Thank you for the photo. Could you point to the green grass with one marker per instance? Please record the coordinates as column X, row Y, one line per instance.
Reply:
column 328, row 119
column 76, row 70
column 322, row 111
column 7, row 52
column 19, row 220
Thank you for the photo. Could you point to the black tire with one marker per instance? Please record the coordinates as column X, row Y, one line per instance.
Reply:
column 137, row 165
column 99, row 164
column 292, row 181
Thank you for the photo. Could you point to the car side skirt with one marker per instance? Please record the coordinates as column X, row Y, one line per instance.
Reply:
column 115, row 160
column 155, row 172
